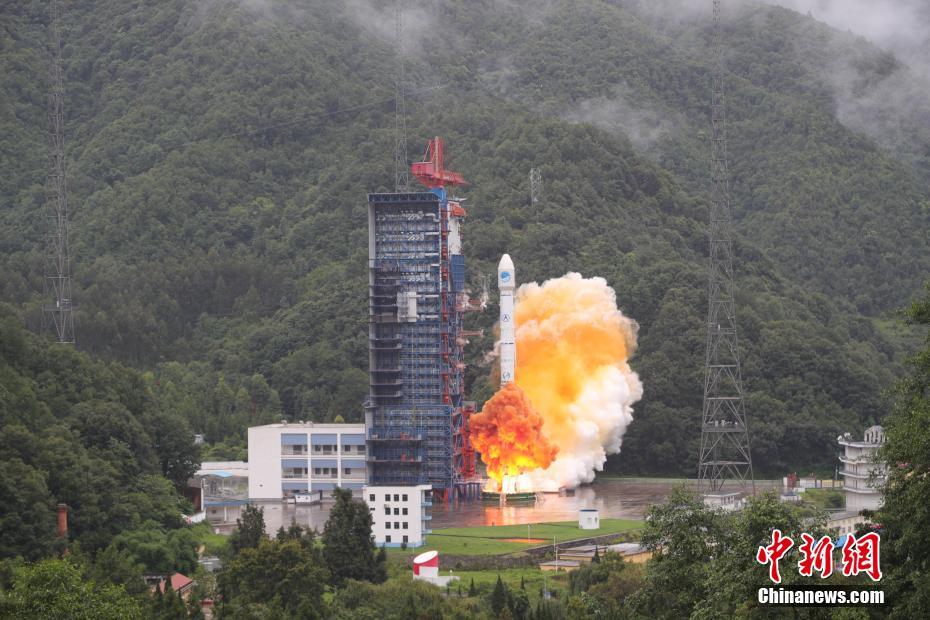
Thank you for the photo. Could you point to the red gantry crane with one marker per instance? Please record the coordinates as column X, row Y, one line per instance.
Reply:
column 431, row 172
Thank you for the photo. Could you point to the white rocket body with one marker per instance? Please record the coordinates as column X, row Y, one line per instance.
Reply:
column 506, row 284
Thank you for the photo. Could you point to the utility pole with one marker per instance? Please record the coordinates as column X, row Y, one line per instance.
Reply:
column 58, row 306
column 401, row 165
column 724, row 434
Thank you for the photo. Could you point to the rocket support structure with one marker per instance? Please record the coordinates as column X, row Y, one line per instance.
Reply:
column 506, row 284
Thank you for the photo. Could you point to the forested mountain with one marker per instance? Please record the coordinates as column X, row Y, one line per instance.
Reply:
column 220, row 153
column 88, row 434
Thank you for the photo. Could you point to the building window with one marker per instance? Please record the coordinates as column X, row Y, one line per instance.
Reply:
column 405, row 525
column 405, row 497
column 387, row 525
column 371, row 497
column 348, row 471
column 405, row 539
column 405, row 511
column 387, row 497
column 397, row 511
column 387, row 510
column 360, row 449
column 396, row 525
column 387, row 539
column 396, row 497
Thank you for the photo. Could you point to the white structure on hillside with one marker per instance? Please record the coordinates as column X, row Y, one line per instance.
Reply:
column 224, row 490
column 862, row 473
column 287, row 458
column 400, row 514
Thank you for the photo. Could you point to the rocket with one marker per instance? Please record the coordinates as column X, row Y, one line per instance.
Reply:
column 506, row 284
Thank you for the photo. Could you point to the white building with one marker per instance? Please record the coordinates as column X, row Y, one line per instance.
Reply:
column 862, row 473
column 224, row 490
column 303, row 456
column 400, row 515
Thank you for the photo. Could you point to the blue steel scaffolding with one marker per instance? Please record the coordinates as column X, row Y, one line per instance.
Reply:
column 414, row 411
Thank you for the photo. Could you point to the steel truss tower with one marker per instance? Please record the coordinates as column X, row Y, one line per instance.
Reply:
column 401, row 166
column 725, row 451
column 58, row 310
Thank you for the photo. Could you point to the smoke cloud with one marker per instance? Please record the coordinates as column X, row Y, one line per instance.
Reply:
column 572, row 350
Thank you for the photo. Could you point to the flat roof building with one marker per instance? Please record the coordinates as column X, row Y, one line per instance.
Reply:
column 400, row 514
column 287, row 458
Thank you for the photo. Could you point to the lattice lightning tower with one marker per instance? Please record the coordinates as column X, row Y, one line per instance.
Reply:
column 724, row 435
column 401, row 166
column 58, row 308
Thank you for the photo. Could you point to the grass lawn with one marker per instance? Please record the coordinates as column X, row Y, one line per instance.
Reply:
column 215, row 543
column 492, row 540
column 824, row 498
column 533, row 579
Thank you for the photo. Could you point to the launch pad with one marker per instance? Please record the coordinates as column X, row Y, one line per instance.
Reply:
column 508, row 498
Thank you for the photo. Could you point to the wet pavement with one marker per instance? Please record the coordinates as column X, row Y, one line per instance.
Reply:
column 614, row 498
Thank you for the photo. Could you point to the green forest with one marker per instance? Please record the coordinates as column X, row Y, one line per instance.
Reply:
column 219, row 158
column 220, row 154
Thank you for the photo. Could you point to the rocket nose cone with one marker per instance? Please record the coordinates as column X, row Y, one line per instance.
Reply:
column 506, row 263
column 506, row 276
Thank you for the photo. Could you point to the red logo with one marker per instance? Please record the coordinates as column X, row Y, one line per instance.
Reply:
column 773, row 553
column 816, row 556
column 860, row 555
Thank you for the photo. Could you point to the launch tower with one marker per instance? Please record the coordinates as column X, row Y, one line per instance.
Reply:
column 416, row 413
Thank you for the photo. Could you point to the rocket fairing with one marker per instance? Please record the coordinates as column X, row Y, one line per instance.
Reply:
column 506, row 284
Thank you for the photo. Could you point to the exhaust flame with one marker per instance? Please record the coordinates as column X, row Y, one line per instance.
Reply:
column 572, row 350
column 508, row 435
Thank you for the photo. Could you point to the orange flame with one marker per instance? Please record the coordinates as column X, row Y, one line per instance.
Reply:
column 508, row 434
column 573, row 344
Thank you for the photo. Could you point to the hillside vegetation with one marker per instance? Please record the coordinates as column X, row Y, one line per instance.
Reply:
column 220, row 153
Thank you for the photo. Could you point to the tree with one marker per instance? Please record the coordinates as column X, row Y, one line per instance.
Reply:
column 734, row 574
column 250, row 529
column 288, row 575
column 56, row 589
column 472, row 590
column 27, row 516
column 498, row 598
column 119, row 567
column 348, row 546
column 681, row 533
column 906, row 522
column 178, row 455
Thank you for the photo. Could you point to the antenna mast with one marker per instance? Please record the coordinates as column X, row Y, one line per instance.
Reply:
column 401, row 165
column 58, row 310
column 724, row 434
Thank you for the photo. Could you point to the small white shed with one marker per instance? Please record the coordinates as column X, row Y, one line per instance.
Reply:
column 589, row 519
